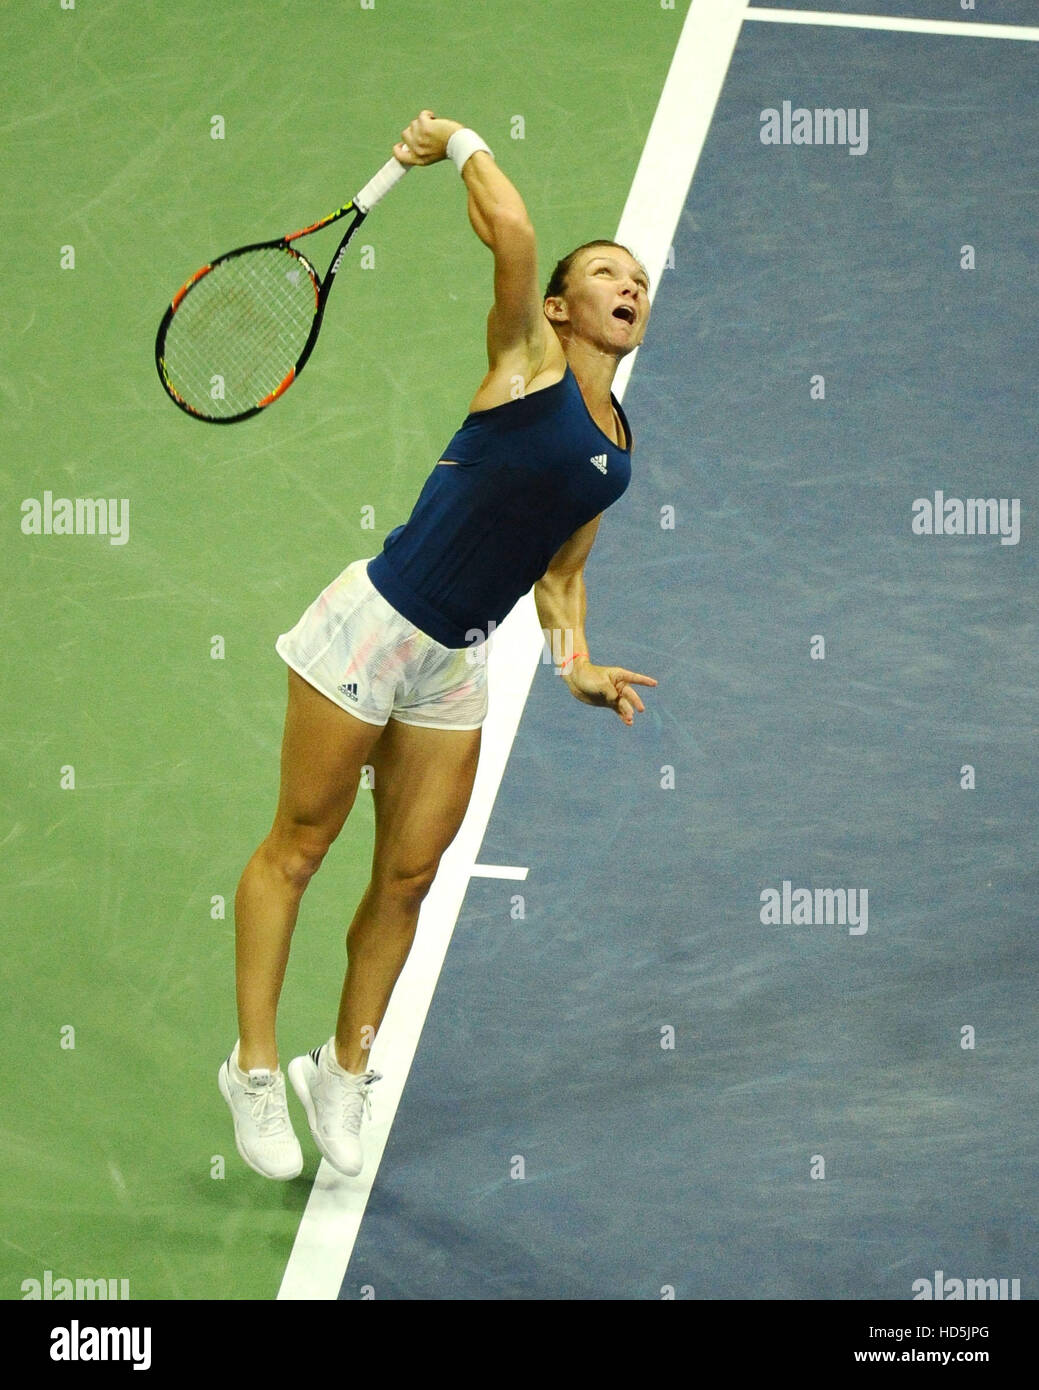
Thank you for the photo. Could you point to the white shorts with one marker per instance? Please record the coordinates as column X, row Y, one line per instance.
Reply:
column 353, row 646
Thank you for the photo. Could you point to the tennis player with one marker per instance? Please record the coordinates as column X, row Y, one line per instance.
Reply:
column 381, row 666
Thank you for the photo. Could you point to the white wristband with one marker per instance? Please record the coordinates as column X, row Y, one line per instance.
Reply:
column 464, row 143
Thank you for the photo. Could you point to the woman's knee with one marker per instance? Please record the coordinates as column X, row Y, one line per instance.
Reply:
column 406, row 884
column 296, row 852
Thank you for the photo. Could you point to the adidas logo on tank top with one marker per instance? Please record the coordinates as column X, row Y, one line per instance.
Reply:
column 600, row 462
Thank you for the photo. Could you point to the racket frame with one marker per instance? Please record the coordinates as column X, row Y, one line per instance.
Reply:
column 360, row 205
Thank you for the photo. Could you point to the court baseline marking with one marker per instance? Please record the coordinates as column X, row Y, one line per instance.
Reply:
column 957, row 27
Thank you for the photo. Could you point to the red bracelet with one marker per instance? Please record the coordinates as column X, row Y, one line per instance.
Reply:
column 571, row 659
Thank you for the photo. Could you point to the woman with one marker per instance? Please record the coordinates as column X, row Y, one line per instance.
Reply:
column 381, row 668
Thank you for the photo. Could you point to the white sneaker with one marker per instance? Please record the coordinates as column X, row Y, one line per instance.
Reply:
column 335, row 1102
column 263, row 1131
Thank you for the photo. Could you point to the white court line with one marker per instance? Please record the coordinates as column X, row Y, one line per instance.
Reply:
column 498, row 871
column 960, row 28
column 329, row 1226
column 676, row 138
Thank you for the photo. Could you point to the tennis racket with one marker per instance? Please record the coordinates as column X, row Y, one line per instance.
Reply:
column 239, row 333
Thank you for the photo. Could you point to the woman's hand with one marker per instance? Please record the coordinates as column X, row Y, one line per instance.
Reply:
column 608, row 685
column 425, row 139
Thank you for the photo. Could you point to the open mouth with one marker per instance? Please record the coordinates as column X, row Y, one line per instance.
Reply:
column 625, row 312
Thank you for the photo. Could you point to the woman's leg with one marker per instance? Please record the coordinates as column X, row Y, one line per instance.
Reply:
column 323, row 751
column 423, row 781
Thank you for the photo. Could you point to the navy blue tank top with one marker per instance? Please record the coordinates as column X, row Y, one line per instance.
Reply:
column 525, row 476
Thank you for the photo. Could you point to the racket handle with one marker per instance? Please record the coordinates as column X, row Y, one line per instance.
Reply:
column 390, row 174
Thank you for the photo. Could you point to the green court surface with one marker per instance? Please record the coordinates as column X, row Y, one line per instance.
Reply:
column 111, row 1148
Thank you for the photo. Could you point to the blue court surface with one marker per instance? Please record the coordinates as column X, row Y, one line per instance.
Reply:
column 845, row 1105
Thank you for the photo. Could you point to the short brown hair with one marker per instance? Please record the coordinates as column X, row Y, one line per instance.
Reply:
column 557, row 283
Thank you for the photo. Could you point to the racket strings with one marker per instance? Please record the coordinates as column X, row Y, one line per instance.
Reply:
column 239, row 331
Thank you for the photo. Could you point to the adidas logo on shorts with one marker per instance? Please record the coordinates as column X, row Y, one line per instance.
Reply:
column 600, row 462
column 349, row 690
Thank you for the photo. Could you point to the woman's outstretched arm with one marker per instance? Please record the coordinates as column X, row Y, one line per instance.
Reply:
column 516, row 328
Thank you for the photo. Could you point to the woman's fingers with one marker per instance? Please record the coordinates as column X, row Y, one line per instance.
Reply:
column 426, row 138
column 628, row 703
column 632, row 676
column 610, row 685
column 623, row 682
column 627, row 699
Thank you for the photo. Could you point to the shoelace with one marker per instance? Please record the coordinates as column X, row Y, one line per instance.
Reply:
column 359, row 1090
column 270, row 1109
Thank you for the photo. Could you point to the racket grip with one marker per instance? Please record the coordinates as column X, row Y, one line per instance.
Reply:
column 390, row 174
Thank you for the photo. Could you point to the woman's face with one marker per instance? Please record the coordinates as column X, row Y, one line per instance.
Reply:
column 606, row 300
